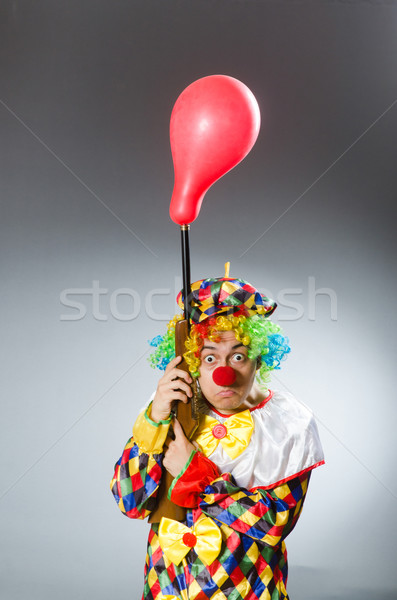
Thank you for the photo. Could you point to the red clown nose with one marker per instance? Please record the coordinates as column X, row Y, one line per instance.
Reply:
column 224, row 376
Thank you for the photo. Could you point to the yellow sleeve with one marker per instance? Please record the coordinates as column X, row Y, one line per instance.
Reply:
column 149, row 435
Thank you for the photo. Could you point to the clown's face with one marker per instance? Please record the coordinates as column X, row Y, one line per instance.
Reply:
column 241, row 394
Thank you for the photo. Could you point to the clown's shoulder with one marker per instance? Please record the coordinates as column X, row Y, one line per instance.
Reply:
column 286, row 434
column 285, row 410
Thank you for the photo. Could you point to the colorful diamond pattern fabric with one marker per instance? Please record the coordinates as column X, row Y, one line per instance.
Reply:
column 225, row 296
column 252, row 563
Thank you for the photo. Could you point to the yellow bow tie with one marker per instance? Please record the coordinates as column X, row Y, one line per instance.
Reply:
column 176, row 540
column 234, row 434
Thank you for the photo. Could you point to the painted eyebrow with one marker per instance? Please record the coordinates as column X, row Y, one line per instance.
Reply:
column 214, row 348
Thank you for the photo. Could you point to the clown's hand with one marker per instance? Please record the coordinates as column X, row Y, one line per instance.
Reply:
column 178, row 452
column 174, row 385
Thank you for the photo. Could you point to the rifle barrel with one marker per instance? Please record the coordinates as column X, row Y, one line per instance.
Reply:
column 186, row 269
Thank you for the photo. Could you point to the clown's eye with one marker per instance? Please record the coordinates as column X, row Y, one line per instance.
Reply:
column 238, row 357
column 209, row 359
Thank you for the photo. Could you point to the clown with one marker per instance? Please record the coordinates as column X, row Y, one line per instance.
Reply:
column 243, row 476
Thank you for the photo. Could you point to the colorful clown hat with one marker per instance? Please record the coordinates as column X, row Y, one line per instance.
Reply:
column 225, row 296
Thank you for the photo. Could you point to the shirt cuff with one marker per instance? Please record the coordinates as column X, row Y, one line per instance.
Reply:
column 198, row 472
column 149, row 435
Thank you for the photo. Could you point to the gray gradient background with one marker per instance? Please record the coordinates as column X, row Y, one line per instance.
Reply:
column 86, row 94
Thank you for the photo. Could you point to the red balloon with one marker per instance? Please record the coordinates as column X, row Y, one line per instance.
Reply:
column 224, row 376
column 214, row 124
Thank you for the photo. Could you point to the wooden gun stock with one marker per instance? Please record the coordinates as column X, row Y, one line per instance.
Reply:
column 188, row 418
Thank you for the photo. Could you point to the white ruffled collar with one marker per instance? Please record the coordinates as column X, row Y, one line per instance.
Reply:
column 285, row 443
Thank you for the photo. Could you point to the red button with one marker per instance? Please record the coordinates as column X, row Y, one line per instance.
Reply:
column 189, row 539
column 219, row 431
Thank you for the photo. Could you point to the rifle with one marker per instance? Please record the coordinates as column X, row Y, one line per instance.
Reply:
column 187, row 413
column 214, row 124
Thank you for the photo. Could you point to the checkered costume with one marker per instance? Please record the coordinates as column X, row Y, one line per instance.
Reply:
column 253, row 501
